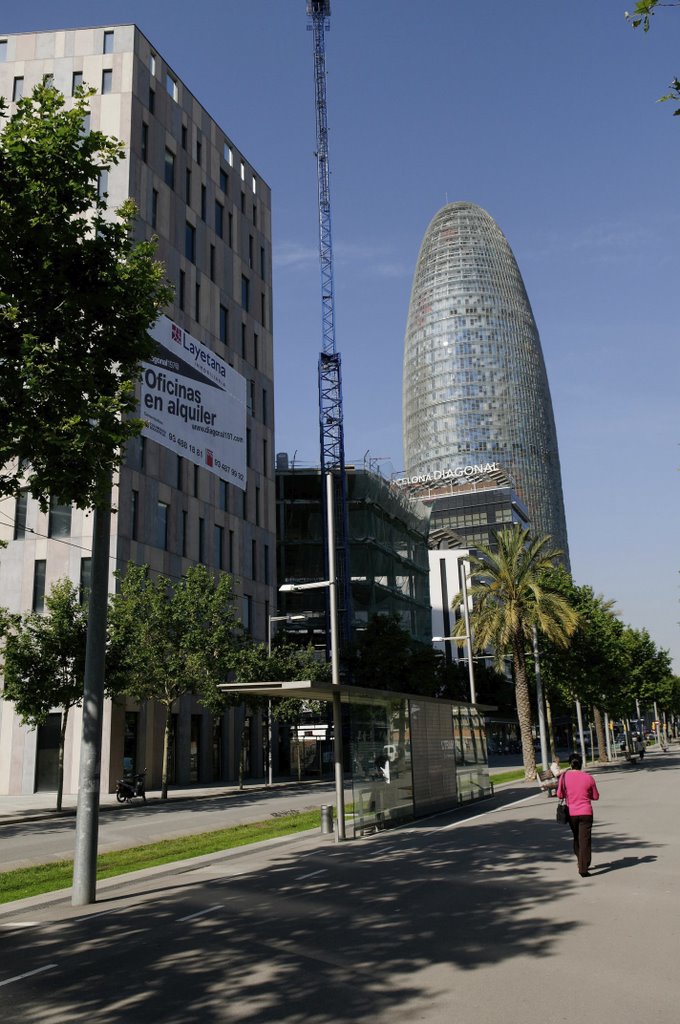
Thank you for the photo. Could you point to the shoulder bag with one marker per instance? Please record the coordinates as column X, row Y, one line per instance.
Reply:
column 562, row 811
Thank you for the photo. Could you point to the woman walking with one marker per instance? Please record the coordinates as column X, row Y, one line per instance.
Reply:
column 578, row 788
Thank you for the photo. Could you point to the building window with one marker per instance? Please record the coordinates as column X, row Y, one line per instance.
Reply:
column 172, row 87
column 243, row 171
column 231, row 551
column 107, row 81
column 162, row 525
column 180, row 473
column 224, row 181
column 184, row 520
column 219, row 219
column 212, row 262
column 203, row 201
column 257, row 506
column 108, row 41
column 85, row 578
column 184, row 136
column 230, row 235
column 262, row 264
column 20, row 511
column 201, row 539
column 196, row 480
column 250, row 397
column 254, row 215
column 134, row 515
column 256, row 350
column 247, row 613
column 228, row 154
column 17, row 89
column 224, row 325
column 154, row 208
column 76, row 81
column 152, row 63
column 249, row 436
column 103, row 187
column 190, row 242
column 224, row 495
column 250, row 251
column 59, row 523
column 169, row 168
column 152, row 100
column 264, row 405
column 180, row 293
column 245, row 293
column 244, row 505
column 265, row 456
column 187, row 187
column 3, row 50
column 145, row 141
column 199, row 152
column 254, row 185
column 243, row 202
column 253, row 559
column 266, row 564
column 197, row 302
column 219, row 546
column 243, row 341
column 263, row 310
column 39, row 568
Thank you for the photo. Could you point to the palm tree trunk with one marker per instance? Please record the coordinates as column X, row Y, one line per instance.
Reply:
column 523, row 702
column 166, row 752
column 551, row 730
column 60, row 764
column 601, row 738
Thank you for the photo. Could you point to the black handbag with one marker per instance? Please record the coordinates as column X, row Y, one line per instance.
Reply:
column 562, row 811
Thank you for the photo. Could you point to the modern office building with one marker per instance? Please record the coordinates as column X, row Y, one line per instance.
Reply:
column 475, row 388
column 388, row 550
column 211, row 212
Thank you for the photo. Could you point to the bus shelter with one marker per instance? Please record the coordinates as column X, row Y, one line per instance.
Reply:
column 404, row 756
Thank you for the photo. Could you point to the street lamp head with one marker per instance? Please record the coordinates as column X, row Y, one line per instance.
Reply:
column 293, row 588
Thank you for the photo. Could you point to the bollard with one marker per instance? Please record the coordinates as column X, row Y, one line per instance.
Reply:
column 326, row 819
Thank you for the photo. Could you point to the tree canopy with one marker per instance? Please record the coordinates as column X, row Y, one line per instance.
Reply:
column 77, row 296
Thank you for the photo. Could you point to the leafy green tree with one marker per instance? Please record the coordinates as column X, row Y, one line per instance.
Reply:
column 44, row 663
column 510, row 598
column 386, row 657
column 171, row 638
column 77, row 295
column 641, row 18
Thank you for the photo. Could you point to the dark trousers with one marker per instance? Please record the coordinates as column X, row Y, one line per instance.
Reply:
column 581, row 827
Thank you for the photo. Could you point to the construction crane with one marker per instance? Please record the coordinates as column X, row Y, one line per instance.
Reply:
column 331, row 424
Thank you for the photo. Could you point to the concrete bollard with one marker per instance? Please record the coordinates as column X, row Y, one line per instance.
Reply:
column 326, row 819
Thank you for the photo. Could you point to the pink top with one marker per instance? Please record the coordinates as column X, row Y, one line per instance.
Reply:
column 579, row 789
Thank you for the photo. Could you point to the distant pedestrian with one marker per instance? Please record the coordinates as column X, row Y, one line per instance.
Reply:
column 578, row 788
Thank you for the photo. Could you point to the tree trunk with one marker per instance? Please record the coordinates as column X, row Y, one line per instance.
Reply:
column 601, row 738
column 166, row 752
column 60, row 765
column 551, row 730
column 523, row 702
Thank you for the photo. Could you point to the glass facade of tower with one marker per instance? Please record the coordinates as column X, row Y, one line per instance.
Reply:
column 475, row 387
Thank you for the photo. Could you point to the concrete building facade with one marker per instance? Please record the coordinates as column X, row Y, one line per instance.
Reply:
column 211, row 212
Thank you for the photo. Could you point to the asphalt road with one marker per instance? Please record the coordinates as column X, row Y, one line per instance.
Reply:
column 27, row 842
column 479, row 918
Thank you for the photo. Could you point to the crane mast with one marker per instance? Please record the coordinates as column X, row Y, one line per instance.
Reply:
column 331, row 424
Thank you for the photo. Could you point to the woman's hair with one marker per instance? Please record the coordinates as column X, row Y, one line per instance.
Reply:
column 575, row 762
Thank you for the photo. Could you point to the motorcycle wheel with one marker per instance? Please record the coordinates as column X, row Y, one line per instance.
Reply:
column 120, row 797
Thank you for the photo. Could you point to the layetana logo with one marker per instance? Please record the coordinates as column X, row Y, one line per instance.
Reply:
column 209, row 457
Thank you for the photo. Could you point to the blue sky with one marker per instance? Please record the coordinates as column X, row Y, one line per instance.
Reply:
column 541, row 111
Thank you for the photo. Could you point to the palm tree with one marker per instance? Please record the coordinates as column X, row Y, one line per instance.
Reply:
column 511, row 596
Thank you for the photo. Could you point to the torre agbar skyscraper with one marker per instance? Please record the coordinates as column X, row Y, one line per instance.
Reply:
column 475, row 388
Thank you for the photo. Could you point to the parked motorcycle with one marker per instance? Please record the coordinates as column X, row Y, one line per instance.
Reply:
column 131, row 786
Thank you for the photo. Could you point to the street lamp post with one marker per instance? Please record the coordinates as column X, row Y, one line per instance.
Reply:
column 274, row 618
column 331, row 585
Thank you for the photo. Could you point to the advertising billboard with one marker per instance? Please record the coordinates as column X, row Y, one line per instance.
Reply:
column 194, row 403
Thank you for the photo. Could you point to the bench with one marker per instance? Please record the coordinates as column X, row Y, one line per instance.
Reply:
column 547, row 782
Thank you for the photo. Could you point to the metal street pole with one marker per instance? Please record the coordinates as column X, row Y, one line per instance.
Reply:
column 579, row 718
column 335, row 663
column 539, row 699
column 87, row 816
column 468, row 633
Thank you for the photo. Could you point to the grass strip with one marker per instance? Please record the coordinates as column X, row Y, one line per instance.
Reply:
column 509, row 776
column 42, row 878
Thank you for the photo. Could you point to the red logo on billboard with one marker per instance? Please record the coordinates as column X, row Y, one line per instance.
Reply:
column 208, row 457
column 177, row 334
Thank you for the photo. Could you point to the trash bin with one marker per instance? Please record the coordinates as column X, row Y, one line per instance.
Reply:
column 326, row 819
